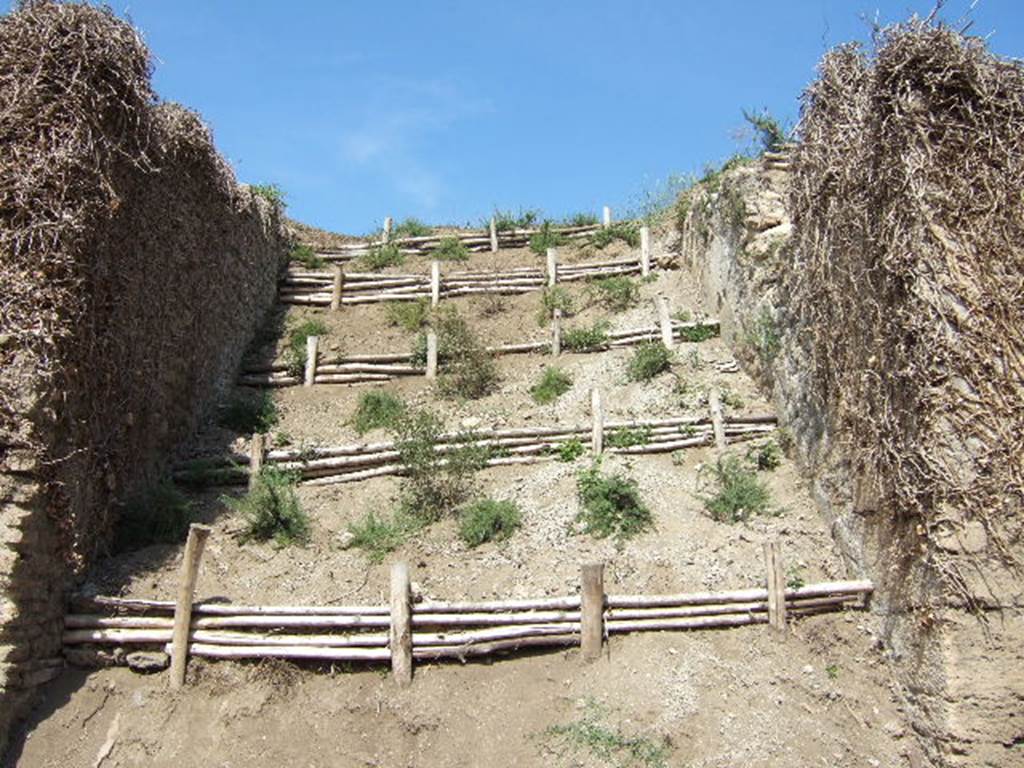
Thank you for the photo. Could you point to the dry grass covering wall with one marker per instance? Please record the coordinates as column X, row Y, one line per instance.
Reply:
column 133, row 271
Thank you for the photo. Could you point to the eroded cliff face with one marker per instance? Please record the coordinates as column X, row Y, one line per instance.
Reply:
column 955, row 644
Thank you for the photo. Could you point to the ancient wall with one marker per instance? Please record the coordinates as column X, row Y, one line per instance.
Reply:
column 135, row 270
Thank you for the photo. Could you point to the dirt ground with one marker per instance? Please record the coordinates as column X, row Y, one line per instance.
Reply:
column 821, row 696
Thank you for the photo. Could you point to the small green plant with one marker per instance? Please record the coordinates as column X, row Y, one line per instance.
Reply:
column 765, row 457
column 506, row 221
column 408, row 315
column 764, row 336
column 832, row 670
column 379, row 535
column 271, row 510
column 554, row 383
column 769, row 132
column 586, row 338
column 160, row 514
column 649, row 359
column 795, row 577
column 626, row 231
column 546, row 237
column 697, row 333
column 380, row 257
column 249, row 412
column 552, row 298
column 731, row 490
column 610, row 505
column 306, row 256
column 297, row 337
column 467, row 369
column 571, row 450
column 682, row 315
column 732, row 400
column 377, row 409
column 580, row 220
column 272, row 193
column 627, row 438
column 411, row 227
column 488, row 520
column 616, row 293
column 450, row 249
column 607, row 744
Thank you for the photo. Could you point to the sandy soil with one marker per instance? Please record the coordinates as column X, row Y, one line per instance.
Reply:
column 743, row 696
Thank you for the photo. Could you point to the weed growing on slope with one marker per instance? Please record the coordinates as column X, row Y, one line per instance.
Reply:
column 610, row 505
column 570, row 450
column 767, row 129
column 305, row 256
column 586, row 338
column 580, row 220
column 408, row 315
column 554, row 383
column 161, row 514
column 765, row 457
column 626, row 437
column 552, row 298
column 731, row 490
column 609, row 745
column 377, row 409
column 488, row 520
column 506, row 221
column 626, row 231
column 272, row 193
column 648, row 360
column 411, row 227
column 450, row 249
column 546, row 238
column 616, row 293
column 467, row 368
column 249, row 412
column 695, row 334
column 379, row 535
column 297, row 337
column 380, row 257
column 271, row 510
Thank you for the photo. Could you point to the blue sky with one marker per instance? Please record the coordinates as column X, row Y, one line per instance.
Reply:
column 445, row 110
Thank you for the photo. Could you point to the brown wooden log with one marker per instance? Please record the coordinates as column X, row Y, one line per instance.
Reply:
column 645, row 251
column 194, row 545
column 717, row 419
column 400, row 636
column 776, row 583
column 592, row 610
column 435, row 283
column 487, row 649
column 289, row 652
column 257, row 452
column 597, row 422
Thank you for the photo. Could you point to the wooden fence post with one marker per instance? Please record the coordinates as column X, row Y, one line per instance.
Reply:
column 592, row 611
column 597, row 416
column 388, row 226
column 400, row 637
column 645, row 251
column 494, row 235
column 312, row 342
column 776, row 586
column 717, row 420
column 665, row 320
column 197, row 535
column 257, row 452
column 556, row 332
column 435, row 283
column 338, row 288
column 431, row 355
column 552, row 267
column 606, row 217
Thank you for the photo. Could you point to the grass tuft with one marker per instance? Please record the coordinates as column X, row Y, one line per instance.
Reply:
column 306, row 256
column 247, row 413
column 411, row 227
column 608, row 744
column 648, row 360
column 272, row 193
column 380, row 257
column 580, row 220
column 379, row 535
column 571, row 450
column 610, row 505
column 297, row 336
column 488, row 520
column 731, row 490
column 378, row 409
column 626, row 231
column 271, row 510
column 616, row 293
column 160, row 514
column 546, row 238
column 552, row 298
column 554, row 383
column 467, row 369
column 450, row 249
column 506, row 221
column 410, row 316
column 586, row 338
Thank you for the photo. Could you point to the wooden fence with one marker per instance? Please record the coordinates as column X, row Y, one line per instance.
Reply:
column 361, row 461
column 406, row 631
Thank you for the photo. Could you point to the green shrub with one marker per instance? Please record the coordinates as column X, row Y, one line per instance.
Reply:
column 450, row 249
column 306, row 256
column 377, row 409
column 379, row 535
column 297, row 337
column 408, row 315
column 627, row 438
column 249, row 412
column 546, row 238
column 506, row 221
column 411, row 227
column 580, row 220
column 697, row 333
column 731, row 490
column 380, row 257
column 648, row 360
column 765, row 457
column 552, row 298
column 161, row 514
column 488, row 520
column 610, row 505
column 554, row 383
column 616, row 293
column 586, row 338
column 272, row 193
column 571, row 450
column 467, row 369
column 768, row 130
column 626, row 231
column 434, row 484
column 271, row 510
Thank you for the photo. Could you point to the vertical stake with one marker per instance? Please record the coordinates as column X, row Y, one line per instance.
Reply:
column 717, row 420
column 257, row 452
column 552, row 267
column 312, row 342
column 556, row 332
column 494, row 235
column 592, row 610
column 400, row 638
column 197, row 535
column 337, row 288
column 435, row 283
column 388, row 225
column 597, row 415
column 431, row 355
column 665, row 320
column 606, row 217
column 776, row 585
column 645, row 251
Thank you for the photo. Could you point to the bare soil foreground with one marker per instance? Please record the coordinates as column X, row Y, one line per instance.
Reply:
column 823, row 695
